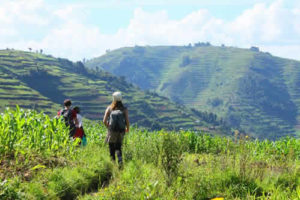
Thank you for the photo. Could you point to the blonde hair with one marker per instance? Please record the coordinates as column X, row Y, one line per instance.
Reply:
column 116, row 104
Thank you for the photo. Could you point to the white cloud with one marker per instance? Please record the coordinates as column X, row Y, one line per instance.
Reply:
column 268, row 26
column 263, row 24
column 286, row 51
column 23, row 11
column 72, row 40
column 71, row 12
column 14, row 15
column 273, row 27
column 296, row 22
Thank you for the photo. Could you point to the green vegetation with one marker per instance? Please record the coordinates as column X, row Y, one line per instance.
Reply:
column 251, row 90
column 42, row 82
column 157, row 165
column 25, row 132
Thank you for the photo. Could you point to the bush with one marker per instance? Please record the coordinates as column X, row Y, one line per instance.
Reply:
column 9, row 190
column 185, row 61
column 171, row 155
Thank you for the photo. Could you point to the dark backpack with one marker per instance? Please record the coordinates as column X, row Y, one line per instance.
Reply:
column 117, row 121
column 67, row 115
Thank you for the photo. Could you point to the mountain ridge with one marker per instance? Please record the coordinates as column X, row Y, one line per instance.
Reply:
column 249, row 88
column 42, row 82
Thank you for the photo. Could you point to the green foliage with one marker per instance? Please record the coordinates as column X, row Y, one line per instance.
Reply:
column 157, row 165
column 240, row 187
column 185, row 61
column 8, row 190
column 215, row 102
column 235, row 169
column 89, row 171
column 42, row 82
column 25, row 132
column 171, row 155
column 248, row 89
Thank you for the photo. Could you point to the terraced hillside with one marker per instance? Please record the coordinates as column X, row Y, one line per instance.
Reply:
column 42, row 82
column 13, row 91
column 248, row 88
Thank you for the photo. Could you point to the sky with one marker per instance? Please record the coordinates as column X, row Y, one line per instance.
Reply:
column 77, row 29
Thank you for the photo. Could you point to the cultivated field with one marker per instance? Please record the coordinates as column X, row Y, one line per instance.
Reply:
column 39, row 161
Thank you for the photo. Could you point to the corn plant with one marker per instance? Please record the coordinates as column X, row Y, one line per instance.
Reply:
column 26, row 132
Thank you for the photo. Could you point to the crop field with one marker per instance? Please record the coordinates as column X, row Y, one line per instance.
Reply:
column 42, row 82
column 39, row 161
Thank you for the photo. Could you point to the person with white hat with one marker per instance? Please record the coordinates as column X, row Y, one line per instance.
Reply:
column 117, row 122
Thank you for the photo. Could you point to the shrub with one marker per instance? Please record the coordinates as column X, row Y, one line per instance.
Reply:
column 170, row 155
column 9, row 190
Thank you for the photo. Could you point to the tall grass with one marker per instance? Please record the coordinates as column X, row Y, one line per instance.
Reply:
column 158, row 165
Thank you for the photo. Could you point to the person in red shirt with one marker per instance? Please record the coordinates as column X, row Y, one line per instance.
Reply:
column 79, row 133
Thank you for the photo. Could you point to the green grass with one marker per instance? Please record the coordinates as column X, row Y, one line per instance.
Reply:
column 157, row 165
column 189, row 166
column 86, row 172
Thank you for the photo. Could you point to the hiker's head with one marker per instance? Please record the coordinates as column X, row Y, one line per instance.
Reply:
column 117, row 96
column 77, row 109
column 67, row 103
column 117, row 101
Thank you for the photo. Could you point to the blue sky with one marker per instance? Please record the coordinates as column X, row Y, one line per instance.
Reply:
column 84, row 29
column 120, row 12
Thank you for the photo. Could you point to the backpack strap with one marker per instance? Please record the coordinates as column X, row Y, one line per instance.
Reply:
column 67, row 115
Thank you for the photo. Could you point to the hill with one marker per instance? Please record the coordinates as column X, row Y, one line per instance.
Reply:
column 248, row 88
column 42, row 82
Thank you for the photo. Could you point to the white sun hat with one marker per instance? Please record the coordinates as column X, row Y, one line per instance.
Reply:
column 117, row 96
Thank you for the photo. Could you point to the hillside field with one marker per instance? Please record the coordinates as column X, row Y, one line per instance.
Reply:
column 251, row 90
column 42, row 82
column 39, row 161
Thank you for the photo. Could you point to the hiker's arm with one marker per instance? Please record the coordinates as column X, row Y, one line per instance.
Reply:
column 127, row 120
column 75, row 119
column 106, row 117
column 76, row 122
column 58, row 114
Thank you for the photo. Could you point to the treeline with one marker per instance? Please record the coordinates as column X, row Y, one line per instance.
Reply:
column 211, row 118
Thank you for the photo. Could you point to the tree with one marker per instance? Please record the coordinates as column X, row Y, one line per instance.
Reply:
column 79, row 67
column 185, row 61
column 139, row 49
column 253, row 48
column 202, row 44
column 30, row 49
